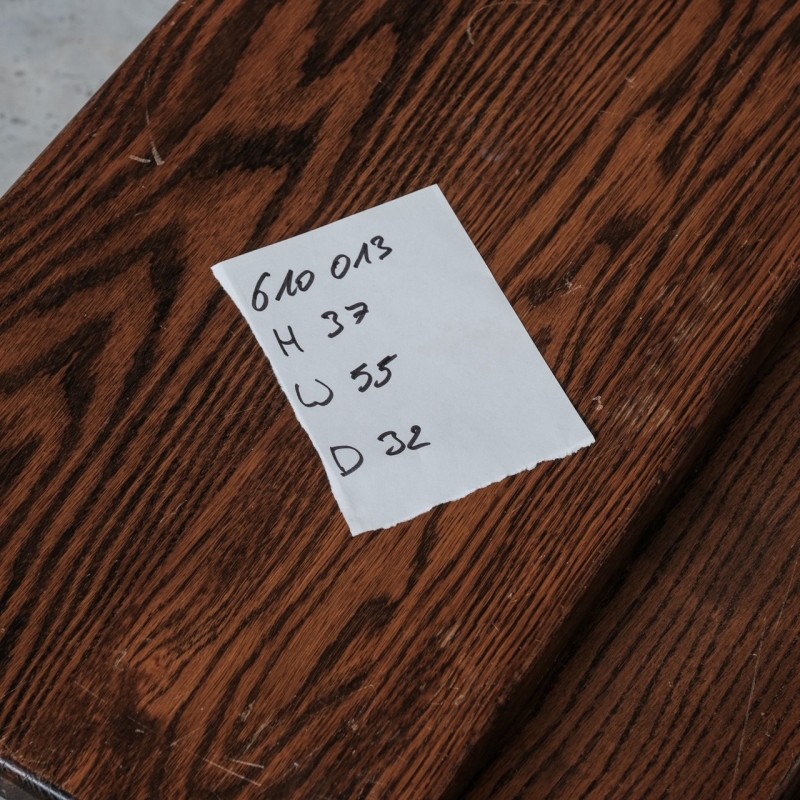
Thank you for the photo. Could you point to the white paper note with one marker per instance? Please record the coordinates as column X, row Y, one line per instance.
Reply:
column 402, row 359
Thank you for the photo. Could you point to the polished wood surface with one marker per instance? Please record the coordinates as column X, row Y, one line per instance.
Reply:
column 181, row 604
column 685, row 684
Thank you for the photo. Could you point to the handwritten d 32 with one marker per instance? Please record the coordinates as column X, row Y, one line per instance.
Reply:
column 396, row 447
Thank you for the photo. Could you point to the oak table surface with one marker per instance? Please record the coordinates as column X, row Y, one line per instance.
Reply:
column 686, row 683
column 182, row 610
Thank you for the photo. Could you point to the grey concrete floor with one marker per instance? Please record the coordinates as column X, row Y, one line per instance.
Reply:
column 54, row 54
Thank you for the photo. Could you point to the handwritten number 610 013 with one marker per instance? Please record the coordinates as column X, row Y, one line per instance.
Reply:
column 376, row 247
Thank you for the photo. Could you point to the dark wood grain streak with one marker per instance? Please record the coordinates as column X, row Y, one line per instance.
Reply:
column 178, row 592
column 686, row 682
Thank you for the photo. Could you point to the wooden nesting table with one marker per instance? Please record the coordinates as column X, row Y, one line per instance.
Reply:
column 182, row 610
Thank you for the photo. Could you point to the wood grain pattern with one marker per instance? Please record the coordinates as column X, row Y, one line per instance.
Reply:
column 178, row 593
column 686, row 683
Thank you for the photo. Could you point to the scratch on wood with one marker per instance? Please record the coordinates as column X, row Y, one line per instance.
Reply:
column 248, row 764
column 185, row 736
column 156, row 156
column 449, row 635
column 153, row 149
column 231, row 772
column 747, row 712
column 138, row 723
column 255, row 736
column 88, row 691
